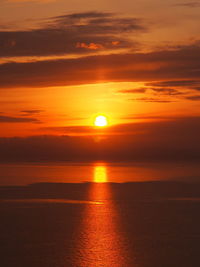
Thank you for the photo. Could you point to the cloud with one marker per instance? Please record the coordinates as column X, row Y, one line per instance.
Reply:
column 176, row 139
column 79, row 33
column 90, row 46
column 133, row 91
column 157, row 90
column 166, row 91
column 22, row 1
column 176, row 83
column 149, row 117
column 152, row 100
column 29, row 112
column 98, row 23
column 183, row 88
column 188, row 4
column 5, row 119
column 156, row 94
column 193, row 97
column 183, row 63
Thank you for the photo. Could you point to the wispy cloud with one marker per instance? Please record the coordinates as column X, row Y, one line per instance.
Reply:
column 150, row 117
column 74, row 34
column 166, row 91
column 22, row 1
column 133, row 91
column 156, row 90
column 193, row 4
column 29, row 112
column 9, row 119
column 152, row 100
column 156, row 94
column 183, row 63
column 176, row 83
column 193, row 97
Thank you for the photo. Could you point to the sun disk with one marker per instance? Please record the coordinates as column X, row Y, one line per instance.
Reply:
column 101, row 121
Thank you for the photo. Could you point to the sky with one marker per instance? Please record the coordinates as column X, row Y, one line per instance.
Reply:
column 63, row 62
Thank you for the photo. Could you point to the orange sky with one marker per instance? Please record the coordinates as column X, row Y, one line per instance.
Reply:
column 63, row 62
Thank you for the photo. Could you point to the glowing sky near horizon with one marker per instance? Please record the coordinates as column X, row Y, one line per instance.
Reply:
column 62, row 62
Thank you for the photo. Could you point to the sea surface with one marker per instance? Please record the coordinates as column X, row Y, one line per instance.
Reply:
column 100, row 215
column 28, row 173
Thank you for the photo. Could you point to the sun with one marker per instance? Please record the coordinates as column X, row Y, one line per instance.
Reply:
column 101, row 121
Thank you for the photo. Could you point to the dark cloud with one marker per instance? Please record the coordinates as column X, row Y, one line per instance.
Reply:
column 197, row 88
column 97, row 23
column 166, row 91
column 31, row 112
column 133, row 91
column 152, row 100
column 157, row 90
column 182, row 88
column 75, row 130
column 71, row 34
column 188, row 4
column 163, row 65
column 193, row 97
column 176, row 83
column 149, row 117
column 4, row 119
column 176, row 139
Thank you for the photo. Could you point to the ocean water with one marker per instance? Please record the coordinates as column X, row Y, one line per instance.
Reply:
column 100, row 215
column 23, row 174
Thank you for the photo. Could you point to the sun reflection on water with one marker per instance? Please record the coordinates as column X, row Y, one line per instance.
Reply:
column 100, row 174
column 101, row 240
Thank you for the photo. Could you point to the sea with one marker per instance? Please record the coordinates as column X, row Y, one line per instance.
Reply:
column 100, row 214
